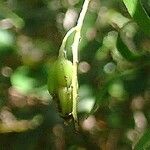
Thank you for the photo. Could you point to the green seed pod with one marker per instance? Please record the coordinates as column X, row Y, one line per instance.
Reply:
column 63, row 72
column 65, row 101
column 60, row 75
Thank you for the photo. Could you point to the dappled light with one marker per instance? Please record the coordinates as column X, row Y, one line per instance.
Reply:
column 74, row 75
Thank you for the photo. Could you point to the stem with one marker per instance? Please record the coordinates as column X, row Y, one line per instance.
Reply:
column 75, row 58
column 62, row 50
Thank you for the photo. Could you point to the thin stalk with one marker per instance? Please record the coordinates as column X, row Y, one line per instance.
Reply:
column 75, row 46
column 62, row 50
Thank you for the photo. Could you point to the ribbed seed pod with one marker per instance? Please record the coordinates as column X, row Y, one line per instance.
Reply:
column 65, row 100
column 59, row 85
column 63, row 68
column 60, row 75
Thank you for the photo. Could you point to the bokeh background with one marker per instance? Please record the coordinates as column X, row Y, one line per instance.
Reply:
column 114, row 96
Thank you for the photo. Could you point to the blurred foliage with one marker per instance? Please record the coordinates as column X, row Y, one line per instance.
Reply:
column 114, row 75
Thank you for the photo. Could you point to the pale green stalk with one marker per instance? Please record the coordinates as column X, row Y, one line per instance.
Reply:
column 62, row 50
column 75, row 58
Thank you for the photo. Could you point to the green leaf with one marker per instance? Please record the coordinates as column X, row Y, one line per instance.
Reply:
column 125, row 52
column 124, row 40
column 128, row 54
column 139, row 14
column 144, row 142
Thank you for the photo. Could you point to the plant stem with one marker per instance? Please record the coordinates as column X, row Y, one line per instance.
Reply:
column 75, row 58
column 62, row 50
